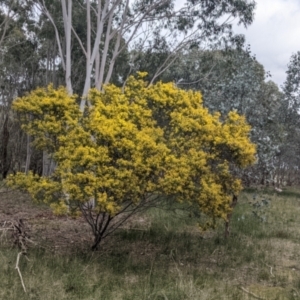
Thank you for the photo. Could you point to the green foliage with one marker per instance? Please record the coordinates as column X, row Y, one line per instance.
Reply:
column 292, row 83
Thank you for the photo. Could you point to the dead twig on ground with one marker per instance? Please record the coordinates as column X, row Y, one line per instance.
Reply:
column 271, row 271
column 18, row 269
column 271, row 268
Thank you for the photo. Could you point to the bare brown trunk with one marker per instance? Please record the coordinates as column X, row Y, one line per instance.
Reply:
column 227, row 222
column 5, row 165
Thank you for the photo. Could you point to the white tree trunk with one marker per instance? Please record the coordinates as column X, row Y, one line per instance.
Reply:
column 67, row 17
column 28, row 154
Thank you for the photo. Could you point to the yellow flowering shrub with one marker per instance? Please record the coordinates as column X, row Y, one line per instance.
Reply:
column 131, row 146
column 47, row 114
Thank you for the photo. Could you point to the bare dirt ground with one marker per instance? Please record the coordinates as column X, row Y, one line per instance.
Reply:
column 55, row 233
column 58, row 234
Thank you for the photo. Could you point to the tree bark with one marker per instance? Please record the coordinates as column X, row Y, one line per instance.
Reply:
column 67, row 17
column 5, row 140
column 28, row 154
column 227, row 222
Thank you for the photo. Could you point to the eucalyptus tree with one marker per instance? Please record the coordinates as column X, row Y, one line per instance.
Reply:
column 113, row 26
column 19, row 72
column 230, row 78
column 288, row 161
column 241, row 84
column 291, row 86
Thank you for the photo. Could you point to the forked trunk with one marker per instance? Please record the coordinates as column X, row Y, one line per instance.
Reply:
column 97, row 241
column 99, row 223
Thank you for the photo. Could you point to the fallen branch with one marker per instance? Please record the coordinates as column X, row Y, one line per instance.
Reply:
column 214, row 251
column 18, row 269
column 252, row 294
column 271, row 272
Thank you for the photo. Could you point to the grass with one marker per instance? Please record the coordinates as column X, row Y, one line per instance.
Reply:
column 158, row 255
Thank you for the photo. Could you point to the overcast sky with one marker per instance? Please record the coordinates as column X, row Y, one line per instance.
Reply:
column 274, row 35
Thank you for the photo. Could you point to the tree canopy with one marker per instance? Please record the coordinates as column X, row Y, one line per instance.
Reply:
column 112, row 27
column 131, row 149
